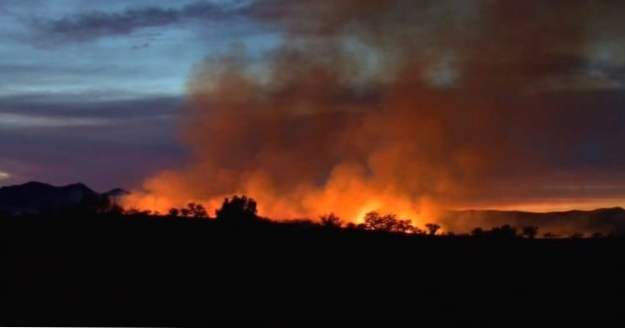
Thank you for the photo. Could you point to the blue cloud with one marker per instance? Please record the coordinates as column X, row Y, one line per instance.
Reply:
column 95, row 24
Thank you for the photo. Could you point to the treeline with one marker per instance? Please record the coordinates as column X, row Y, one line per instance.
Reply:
column 240, row 210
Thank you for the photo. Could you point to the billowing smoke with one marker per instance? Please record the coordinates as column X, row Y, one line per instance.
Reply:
column 402, row 106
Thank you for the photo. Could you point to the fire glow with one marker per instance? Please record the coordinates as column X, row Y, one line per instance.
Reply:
column 355, row 113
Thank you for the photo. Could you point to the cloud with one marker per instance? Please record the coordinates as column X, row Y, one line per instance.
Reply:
column 89, row 106
column 4, row 175
column 19, row 121
column 105, row 144
column 96, row 24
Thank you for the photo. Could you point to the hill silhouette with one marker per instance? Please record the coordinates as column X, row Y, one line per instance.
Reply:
column 564, row 223
column 41, row 198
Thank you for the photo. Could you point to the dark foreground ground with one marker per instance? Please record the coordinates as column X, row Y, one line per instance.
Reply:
column 112, row 270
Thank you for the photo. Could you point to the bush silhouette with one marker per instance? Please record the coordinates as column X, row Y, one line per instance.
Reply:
column 331, row 220
column 197, row 211
column 529, row 232
column 237, row 209
column 432, row 228
column 478, row 232
column 174, row 212
column 504, row 232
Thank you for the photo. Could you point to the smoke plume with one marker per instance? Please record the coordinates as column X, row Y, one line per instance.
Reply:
column 402, row 106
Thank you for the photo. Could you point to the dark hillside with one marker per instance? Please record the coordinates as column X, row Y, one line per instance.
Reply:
column 136, row 269
column 36, row 198
column 566, row 223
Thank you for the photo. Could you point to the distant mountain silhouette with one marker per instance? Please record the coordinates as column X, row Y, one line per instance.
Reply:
column 37, row 197
column 115, row 195
column 604, row 220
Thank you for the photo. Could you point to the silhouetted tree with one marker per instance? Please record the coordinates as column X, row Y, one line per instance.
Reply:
column 432, row 228
column 478, row 232
column 237, row 209
column 185, row 212
column 503, row 232
column 197, row 211
column 404, row 226
column 115, row 209
column 598, row 235
column 529, row 232
column 389, row 222
column 374, row 221
column 174, row 212
column 331, row 220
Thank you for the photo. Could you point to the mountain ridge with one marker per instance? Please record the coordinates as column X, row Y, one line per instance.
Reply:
column 36, row 197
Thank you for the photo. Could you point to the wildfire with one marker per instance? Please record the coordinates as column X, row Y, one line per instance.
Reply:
column 350, row 202
column 356, row 113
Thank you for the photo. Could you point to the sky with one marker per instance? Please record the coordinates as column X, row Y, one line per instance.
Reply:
column 91, row 91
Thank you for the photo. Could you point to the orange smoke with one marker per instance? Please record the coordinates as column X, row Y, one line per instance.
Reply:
column 376, row 105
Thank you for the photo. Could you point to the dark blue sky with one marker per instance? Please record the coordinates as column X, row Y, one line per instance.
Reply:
column 89, row 89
